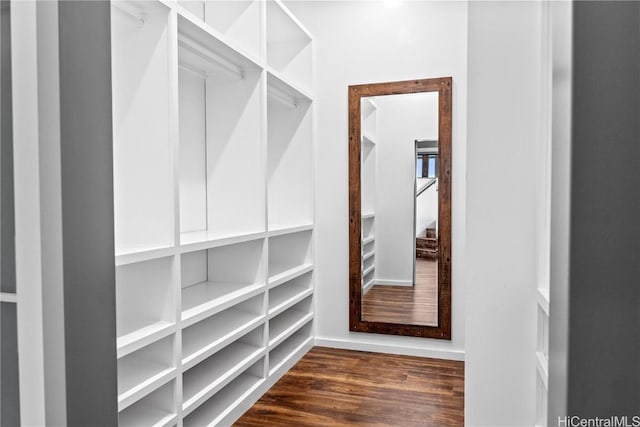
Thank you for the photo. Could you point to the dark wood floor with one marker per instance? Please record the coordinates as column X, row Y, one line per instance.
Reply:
column 417, row 305
column 331, row 387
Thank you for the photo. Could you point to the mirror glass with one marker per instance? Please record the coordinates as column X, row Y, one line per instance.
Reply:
column 400, row 208
column 399, row 203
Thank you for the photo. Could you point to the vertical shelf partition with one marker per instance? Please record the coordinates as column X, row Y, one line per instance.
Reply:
column 213, row 174
column 369, row 127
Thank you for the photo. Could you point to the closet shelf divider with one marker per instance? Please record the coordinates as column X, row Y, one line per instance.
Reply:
column 144, row 336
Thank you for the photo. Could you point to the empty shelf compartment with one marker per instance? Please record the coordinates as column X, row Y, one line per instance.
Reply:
column 140, row 64
column 290, row 157
column 368, row 228
column 155, row 409
column 206, row 337
column 215, row 279
column 288, row 254
column 289, row 49
column 220, row 150
column 206, row 378
column 238, row 21
column 290, row 293
column 368, row 262
column 144, row 300
column 144, row 370
column 279, row 355
column 289, row 321
column 213, row 411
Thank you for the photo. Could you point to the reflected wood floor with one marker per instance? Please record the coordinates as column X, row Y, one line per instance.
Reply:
column 417, row 305
column 332, row 387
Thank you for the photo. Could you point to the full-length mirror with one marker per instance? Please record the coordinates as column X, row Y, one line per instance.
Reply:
column 400, row 207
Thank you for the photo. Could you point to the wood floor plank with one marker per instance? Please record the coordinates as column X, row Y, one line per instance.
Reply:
column 332, row 387
column 412, row 305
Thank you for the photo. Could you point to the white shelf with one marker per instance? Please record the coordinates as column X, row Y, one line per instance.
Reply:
column 285, row 324
column 144, row 371
column 205, row 379
column 193, row 32
column 144, row 301
column 292, row 273
column 368, row 240
column 287, row 25
column 203, row 339
column 542, row 366
column 142, row 378
column 238, row 22
column 289, row 254
column 192, row 8
column 289, row 48
column 223, row 402
column 543, row 300
column 370, row 102
column 368, row 270
column 147, row 417
column 200, row 240
column 155, row 410
column 366, row 138
column 8, row 297
column 280, row 85
column 132, row 256
column 288, row 349
column 368, row 215
column 144, row 336
column 366, row 287
column 288, row 229
column 213, row 147
column 205, row 299
column 285, row 296
column 367, row 261
column 368, row 255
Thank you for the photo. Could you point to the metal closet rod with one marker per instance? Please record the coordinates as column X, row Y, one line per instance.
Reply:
column 209, row 56
column 281, row 97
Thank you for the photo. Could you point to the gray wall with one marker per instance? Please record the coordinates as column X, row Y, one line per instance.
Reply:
column 604, row 333
column 87, row 212
column 9, row 388
column 602, row 349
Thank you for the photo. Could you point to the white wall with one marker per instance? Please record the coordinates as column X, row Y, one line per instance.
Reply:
column 504, row 131
column 427, row 210
column 401, row 120
column 364, row 42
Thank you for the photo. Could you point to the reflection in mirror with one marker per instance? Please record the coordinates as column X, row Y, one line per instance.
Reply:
column 400, row 207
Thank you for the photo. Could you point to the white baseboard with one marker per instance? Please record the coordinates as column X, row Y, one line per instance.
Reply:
column 394, row 282
column 391, row 349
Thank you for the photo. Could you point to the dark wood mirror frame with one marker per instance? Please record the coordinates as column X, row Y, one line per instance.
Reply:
column 443, row 86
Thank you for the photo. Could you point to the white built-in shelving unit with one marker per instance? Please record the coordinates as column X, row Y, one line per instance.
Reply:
column 213, row 187
column 368, row 128
column 542, row 356
column 543, row 213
